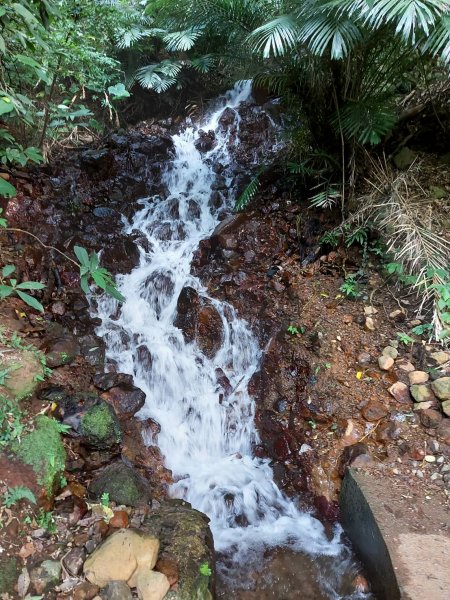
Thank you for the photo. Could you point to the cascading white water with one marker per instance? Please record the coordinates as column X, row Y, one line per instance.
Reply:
column 206, row 444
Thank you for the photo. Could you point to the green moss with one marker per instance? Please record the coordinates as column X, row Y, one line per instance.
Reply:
column 44, row 451
column 100, row 426
column 123, row 485
column 9, row 573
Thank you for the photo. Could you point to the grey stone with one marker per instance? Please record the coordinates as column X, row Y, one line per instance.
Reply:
column 73, row 562
column 45, row 576
column 116, row 590
column 441, row 387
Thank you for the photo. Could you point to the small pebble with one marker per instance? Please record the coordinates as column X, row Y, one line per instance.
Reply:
column 430, row 458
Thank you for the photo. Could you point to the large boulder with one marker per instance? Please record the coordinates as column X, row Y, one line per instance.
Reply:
column 186, row 541
column 123, row 484
column 121, row 557
column 199, row 321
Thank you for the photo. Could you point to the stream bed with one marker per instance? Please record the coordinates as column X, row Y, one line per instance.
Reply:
column 267, row 546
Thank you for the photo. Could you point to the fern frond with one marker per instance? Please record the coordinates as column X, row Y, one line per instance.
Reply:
column 250, row 191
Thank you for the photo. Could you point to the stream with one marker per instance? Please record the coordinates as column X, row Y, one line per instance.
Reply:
column 267, row 547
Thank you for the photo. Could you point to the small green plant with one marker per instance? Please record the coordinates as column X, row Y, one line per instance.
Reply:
column 312, row 424
column 205, row 569
column 9, row 286
column 16, row 494
column 104, row 499
column 350, row 287
column 404, row 338
column 62, row 482
column 46, row 520
column 90, row 270
column 421, row 329
column 357, row 235
column 293, row 330
column 11, row 426
column 331, row 239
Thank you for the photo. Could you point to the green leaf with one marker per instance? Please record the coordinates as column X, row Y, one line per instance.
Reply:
column 205, row 570
column 6, row 106
column 5, row 291
column 6, row 189
column 30, row 285
column 30, row 301
column 94, row 261
column 114, row 292
column 8, row 270
column 82, row 256
column 85, row 284
column 118, row 91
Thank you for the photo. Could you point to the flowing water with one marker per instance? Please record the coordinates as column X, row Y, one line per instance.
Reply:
column 208, row 444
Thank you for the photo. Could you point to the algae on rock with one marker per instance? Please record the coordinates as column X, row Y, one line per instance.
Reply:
column 100, row 427
column 44, row 451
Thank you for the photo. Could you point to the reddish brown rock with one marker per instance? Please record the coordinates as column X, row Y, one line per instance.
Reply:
column 126, row 400
column 199, row 321
column 443, row 431
column 430, row 418
column 400, row 391
column 374, row 411
column 385, row 362
column 119, row 520
column 85, row 591
column 169, row 566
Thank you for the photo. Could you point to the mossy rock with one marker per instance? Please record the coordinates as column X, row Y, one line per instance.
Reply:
column 185, row 536
column 9, row 574
column 44, row 451
column 24, row 369
column 123, row 484
column 99, row 426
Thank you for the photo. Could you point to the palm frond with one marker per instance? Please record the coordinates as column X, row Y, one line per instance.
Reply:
column 438, row 43
column 275, row 37
column 367, row 121
column 160, row 76
column 181, row 41
column 327, row 30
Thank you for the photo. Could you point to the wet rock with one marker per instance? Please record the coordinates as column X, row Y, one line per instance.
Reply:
column 374, row 411
column 126, row 400
column 400, row 391
column 226, row 233
column 93, row 349
column 390, row 351
column 73, row 562
column 120, row 557
column 123, row 484
column 422, row 393
column 206, row 141
column 418, row 377
column 116, row 590
column 104, row 212
column 441, row 387
column 385, row 362
column 99, row 426
column 185, row 538
column 152, row 585
column 106, row 381
column 199, row 321
column 45, row 576
column 96, row 160
column 224, row 382
column 430, row 418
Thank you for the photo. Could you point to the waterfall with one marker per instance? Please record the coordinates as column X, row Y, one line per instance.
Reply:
column 207, row 444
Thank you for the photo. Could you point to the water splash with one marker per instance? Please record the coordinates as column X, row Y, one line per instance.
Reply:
column 206, row 444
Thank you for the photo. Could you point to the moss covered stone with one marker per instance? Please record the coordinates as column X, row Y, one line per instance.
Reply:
column 9, row 573
column 24, row 369
column 99, row 426
column 44, row 451
column 123, row 484
column 185, row 536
